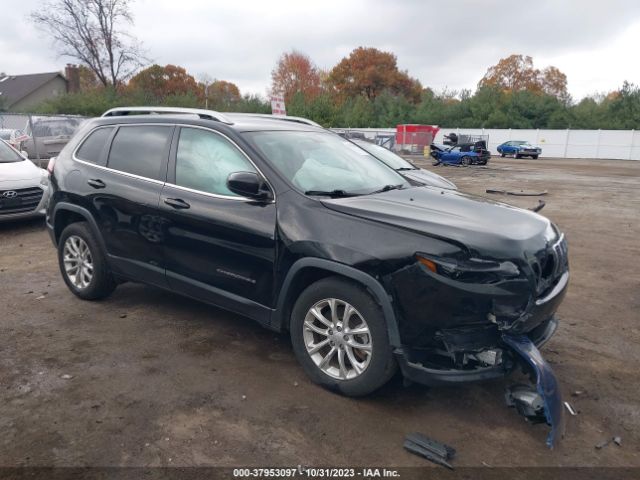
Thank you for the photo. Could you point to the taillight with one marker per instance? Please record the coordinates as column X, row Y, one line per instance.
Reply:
column 51, row 164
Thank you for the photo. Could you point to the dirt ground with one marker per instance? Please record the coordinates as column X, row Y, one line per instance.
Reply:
column 158, row 380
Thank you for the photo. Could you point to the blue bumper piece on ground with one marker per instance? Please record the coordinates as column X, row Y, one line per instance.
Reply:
column 546, row 384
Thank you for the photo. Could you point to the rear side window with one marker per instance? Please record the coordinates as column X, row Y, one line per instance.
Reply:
column 140, row 150
column 91, row 148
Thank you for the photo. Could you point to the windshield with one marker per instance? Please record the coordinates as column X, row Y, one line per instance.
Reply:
column 324, row 162
column 387, row 156
column 8, row 154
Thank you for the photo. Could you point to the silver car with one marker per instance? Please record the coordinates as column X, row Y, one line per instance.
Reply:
column 24, row 188
column 403, row 167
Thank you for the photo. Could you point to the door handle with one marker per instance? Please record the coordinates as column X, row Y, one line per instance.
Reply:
column 96, row 183
column 177, row 203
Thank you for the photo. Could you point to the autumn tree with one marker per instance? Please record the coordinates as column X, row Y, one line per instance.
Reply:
column 295, row 72
column 161, row 82
column 91, row 32
column 222, row 95
column 88, row 79
column 516, row 73
column 368, row 72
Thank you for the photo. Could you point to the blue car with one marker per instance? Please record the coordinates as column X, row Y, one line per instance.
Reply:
column 519, row 148
column 460, row 154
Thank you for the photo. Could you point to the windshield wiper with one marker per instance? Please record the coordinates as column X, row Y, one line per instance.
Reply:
column 386, row 188
column 331, row 193
column 402, row 169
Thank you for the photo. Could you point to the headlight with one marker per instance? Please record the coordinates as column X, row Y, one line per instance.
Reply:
column 474, row 270
column 550, row 233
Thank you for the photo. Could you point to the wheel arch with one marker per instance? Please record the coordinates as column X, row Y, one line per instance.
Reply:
column 65, row 214
column 306, row 271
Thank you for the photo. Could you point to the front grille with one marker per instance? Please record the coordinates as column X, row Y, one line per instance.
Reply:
column 25, row 200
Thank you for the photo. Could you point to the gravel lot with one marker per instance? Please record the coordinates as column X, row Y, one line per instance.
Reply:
column 147, row 378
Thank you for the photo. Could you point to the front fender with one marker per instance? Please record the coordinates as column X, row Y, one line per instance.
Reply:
column 376, row 289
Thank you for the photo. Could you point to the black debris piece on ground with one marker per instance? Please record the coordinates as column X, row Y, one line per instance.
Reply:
column 538, row 207
column 521, row 193
column 428, row 448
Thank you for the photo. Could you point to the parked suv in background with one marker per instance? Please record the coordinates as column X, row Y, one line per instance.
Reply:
column 284, row 222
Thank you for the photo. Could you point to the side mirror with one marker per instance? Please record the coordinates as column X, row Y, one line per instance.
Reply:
column 248, row 184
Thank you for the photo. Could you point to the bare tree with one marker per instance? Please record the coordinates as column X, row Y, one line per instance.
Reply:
column 90, row 31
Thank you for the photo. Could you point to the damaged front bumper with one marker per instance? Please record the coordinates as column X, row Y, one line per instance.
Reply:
column 546, row 385
column 504, row 364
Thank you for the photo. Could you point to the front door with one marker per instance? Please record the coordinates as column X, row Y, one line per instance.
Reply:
column 219, row 246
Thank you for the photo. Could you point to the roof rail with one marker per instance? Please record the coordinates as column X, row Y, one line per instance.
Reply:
column 206, row 114
column 285, row 118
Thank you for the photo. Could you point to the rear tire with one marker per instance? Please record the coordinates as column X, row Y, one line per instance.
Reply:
column 349, row 370
column 516, row 155
column 83, row 264
column 502, row 155
column 535, row 157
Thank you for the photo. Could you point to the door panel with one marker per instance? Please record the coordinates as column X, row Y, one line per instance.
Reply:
column 126, row 204
column 219, row 247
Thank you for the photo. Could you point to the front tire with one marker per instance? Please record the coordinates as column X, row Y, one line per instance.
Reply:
column 466, row 161
column 339, row 336
column 535, row 157
column 83, row 264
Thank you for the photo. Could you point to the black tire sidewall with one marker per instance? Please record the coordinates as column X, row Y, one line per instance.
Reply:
column 382, row 365
column 102, row 283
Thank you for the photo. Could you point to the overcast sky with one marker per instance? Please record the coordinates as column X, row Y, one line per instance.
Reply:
column 445, row 44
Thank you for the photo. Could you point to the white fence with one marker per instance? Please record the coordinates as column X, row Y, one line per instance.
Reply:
column 605, row 144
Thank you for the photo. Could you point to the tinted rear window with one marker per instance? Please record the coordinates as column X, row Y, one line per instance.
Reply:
column 91, row 148
column 140, row 150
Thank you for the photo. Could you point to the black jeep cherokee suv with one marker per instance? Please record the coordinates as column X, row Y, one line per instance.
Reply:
column 293, row 226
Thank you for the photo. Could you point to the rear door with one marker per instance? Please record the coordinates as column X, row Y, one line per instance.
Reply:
column 125, row 195
column 219, row 247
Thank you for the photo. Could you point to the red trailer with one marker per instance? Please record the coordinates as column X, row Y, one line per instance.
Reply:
column 412, row 138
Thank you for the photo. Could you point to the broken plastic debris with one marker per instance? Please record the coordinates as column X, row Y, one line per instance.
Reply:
column 521, row 193
column 527, row 401
column 617, row 441
column 430, row 449
column 546, row 384
column 66, row 376
column 570, row 409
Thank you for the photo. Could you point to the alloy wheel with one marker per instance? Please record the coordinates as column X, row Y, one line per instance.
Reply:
column 78, row 262
column 337, row 339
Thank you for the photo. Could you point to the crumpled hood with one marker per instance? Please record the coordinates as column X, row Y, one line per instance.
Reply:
column 488, row 227
column 429, row 178
column 24, row 170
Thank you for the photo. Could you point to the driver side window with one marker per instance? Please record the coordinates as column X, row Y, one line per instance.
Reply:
column 205, row 159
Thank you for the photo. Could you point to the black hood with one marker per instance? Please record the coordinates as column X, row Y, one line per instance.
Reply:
column 490, row 228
